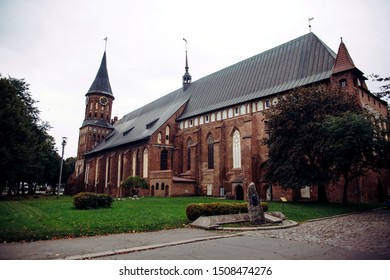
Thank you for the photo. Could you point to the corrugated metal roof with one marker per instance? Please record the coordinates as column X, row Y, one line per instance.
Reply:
column 299, row 62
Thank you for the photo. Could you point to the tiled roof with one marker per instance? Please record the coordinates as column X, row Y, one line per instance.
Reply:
column 101, row 84
column 343, row 60
column 299, row 62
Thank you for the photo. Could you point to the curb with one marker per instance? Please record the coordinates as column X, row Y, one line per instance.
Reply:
column 145, row 248
column 291, row 224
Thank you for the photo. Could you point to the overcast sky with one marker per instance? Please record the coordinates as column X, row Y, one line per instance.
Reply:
column 57, row 46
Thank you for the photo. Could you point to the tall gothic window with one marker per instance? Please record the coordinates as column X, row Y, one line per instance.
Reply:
column 137, row 165
column 189, row 154
column 167, row 131
column 164, row 160
column 210, row 152
column 145, row 164
column 236, row 149
column 134, row 163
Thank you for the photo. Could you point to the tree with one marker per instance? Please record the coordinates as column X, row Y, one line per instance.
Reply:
column 384, row 92
column 26, row 148
column 135, row 183
column 352, row 147
column 297, row 157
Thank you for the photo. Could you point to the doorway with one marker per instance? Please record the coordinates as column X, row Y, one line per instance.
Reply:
column 239, row 192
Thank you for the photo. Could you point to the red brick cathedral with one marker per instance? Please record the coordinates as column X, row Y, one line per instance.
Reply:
column 205, row 138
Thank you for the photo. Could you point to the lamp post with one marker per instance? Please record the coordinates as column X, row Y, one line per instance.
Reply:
column 62, row 162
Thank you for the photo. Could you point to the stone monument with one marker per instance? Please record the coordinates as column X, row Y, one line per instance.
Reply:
column 255, row 211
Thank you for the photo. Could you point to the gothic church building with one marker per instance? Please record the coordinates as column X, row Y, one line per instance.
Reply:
column 206, row 138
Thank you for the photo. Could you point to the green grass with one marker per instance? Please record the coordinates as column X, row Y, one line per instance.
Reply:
column 47, row 218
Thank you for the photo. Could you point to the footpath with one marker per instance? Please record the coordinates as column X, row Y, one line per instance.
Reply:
column 367, row 232
column 99, row 246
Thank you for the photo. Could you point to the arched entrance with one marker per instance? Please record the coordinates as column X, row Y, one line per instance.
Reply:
column 166, row 190
column 239, row 192
column 152, row 191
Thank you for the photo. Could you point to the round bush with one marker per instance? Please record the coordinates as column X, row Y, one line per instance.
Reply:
column 195, row 210
column 87, row 200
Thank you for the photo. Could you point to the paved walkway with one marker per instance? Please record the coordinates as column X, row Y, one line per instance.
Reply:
column 365, row 232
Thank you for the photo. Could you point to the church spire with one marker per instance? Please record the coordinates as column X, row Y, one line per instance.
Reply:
column 343, row 59
column 101, row 84
column 186, row 76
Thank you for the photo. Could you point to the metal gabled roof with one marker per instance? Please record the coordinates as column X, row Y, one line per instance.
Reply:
column 299, row 62
column 143, row 122
column 100, row 123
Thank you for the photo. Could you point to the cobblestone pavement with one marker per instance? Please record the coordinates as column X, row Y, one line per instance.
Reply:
column 365, row 231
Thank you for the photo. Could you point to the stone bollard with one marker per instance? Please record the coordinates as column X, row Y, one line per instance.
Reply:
column 255, row 211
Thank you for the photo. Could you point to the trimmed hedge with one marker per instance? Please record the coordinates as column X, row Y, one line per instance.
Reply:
column 88, row 200
column 195, row 210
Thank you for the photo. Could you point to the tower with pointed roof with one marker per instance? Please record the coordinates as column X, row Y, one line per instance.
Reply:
column 97, row 118
column 346, row 75
column 186, row 76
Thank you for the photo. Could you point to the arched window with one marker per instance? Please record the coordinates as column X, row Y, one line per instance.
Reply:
column 230, row 113
column 210, row 152
column 189, row 144
column 167, row 131
column 145, row 164
column 134, row 163
column 164, row 160
column 236, row 149
column 159, row 136
column 137, row 165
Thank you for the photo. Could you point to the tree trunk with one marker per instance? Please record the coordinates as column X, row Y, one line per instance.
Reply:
column 345, row 191
column 322, row 197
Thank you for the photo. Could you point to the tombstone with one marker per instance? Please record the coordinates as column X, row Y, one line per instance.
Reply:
column 255, row 211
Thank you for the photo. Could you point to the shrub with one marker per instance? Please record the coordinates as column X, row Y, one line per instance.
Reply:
column 87, row 200
column 135, row 182
column 195, row 210
column 264, row 205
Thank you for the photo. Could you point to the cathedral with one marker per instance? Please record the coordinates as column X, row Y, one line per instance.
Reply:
column 206, row 137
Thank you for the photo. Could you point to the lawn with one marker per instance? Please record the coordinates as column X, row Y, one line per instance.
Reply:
column 48, row 217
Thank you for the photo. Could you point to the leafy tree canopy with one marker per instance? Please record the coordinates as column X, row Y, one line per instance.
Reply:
column 384, row 92
column 135, row 182
column 307, row 130
column 27, row 151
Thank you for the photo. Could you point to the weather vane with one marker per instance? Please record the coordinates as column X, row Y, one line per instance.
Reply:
column 310, row 19
column 105, row 46
column 186, row 43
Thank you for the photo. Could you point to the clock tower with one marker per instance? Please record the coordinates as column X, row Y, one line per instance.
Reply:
column 97, row 122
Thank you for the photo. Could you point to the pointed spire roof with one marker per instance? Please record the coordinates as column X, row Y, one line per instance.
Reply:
column 343, row 59
column 101, row 84
column 186, row 77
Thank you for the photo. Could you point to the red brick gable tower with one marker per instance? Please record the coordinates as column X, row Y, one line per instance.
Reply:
column 97, row 118
column 348, row 77
column 345, row 74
